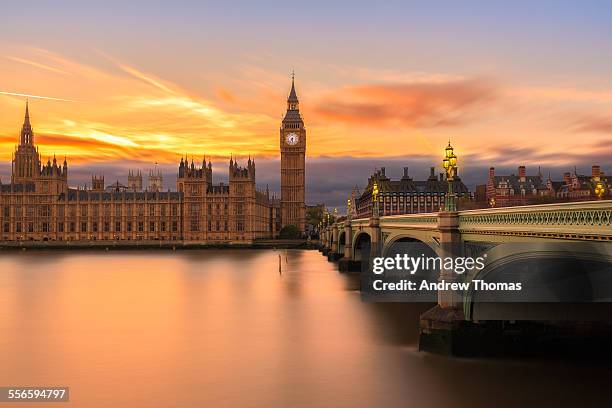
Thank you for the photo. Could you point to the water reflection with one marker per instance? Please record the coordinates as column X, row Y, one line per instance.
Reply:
column 224, row 328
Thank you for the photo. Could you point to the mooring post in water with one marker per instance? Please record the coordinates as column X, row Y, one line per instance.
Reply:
column 280, row 264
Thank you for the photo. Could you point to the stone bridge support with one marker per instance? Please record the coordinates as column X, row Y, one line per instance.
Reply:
column 322, row 238
column 450, row 246
column 439, row 326
column 348, row 240
column 328, row 246
column 347, row 263
column 334, row 253
column 376, row 237
column 325, row 241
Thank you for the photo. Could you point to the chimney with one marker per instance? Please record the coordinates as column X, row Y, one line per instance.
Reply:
column 522, row 172
column 567, row 178
column 595, row 172
column 405, row 172
column 491, row 172
column 432, row 172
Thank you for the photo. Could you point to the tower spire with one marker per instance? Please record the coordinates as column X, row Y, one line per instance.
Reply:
column 27, row 113
column 292, row 100
column 27, row 137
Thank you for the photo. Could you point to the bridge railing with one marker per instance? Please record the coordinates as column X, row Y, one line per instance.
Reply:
column 363, row 222
column 583, row 220
column 575, row 220
column 415, row 221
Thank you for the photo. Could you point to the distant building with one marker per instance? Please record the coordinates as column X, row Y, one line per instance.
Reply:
column 116, row 187
column 156, row 180
column 480, row 195
column 515, row 189
column 97, row 183
column 576, row 187
column 355, row 194
column 407, row 196
column 39, row 205
column 135, row 180
column 521, row 189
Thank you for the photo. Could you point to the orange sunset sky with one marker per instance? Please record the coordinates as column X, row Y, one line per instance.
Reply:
column 139, row 85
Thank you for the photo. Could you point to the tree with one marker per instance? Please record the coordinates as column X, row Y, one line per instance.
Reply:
column 314, row 215
column 289, row 232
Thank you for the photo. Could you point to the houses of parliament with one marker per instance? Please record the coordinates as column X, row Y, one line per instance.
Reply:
column 39, row 205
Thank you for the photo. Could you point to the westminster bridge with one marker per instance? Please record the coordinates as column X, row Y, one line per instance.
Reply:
column 509, row 236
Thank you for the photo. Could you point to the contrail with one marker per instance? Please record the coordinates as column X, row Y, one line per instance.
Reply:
column 36, row 96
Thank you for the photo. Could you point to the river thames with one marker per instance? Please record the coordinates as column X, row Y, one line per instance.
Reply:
column 223, row 328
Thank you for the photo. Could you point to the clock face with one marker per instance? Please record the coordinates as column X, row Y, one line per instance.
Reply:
column 292, row 139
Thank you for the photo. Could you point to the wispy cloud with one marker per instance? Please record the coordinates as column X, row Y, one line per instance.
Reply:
column 594, row 124
column 416, row 105
column 38, row 65
column 35, row 96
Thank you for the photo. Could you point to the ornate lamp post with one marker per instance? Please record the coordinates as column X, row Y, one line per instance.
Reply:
column 600, row 190
column 492, row 202
column 348, row 210
column 375, row 200
column 450, row 165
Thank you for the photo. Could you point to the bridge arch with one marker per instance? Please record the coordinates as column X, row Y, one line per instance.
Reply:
column 341, row 242
column 362, row 245
column 554, row 277
column 392, row 242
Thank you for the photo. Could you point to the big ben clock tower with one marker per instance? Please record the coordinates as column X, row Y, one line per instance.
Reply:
column 293, row 152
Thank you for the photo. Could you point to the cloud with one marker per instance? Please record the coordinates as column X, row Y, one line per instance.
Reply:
column 225, row 95
column 391, row 75
column 35, row 96
column 413, row 105
column 595, row 124
column 38, row 65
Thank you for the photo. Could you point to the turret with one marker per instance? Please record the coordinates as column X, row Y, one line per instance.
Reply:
column 97, row 183
column 134, row 180
column 191, row 177
column 26, row 163
column 237, row 172
column 155, row 180
column 27, row 135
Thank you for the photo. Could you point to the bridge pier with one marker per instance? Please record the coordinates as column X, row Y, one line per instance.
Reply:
column 441, row 327
column 333, row 255
column 450, row 246
column 347, row 263
column 322, row 239
column 327, row 246
column 376, row 238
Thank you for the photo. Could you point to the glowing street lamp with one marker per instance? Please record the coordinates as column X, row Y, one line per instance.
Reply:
column 348, row 209
column 375, row 199
column 600, row 190
column 449, row 162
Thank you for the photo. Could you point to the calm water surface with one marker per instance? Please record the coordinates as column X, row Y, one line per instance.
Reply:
column 225, row 329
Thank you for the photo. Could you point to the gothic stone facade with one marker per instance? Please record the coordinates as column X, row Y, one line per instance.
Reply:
column 39, row 205
column 293, row 153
